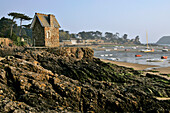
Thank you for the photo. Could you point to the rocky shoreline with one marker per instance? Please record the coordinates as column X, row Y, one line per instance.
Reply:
column 70, row 79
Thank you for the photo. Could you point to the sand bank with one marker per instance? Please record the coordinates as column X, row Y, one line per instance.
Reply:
column 163, row 70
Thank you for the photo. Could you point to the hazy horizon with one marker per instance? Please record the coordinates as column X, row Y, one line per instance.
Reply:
column 131, row 17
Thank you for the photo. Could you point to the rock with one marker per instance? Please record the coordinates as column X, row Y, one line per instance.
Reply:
column 71, row 80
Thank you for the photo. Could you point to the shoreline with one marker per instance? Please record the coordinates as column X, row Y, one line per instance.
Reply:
column 135, row 66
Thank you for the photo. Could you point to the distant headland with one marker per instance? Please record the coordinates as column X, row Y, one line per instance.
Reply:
column 164, row 40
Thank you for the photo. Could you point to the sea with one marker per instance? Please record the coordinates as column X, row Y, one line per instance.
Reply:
column 127, row 54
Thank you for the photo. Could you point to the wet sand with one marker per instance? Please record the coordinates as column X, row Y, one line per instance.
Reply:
column 131, row 65
column 163, row 70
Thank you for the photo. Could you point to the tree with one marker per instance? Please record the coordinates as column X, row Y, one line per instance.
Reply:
column 27, row 26
column 137, row 40
column 9, row 29
column 117, row 35
column 27, row 30
column 14, row 16
column 125, row 36
column 5, row 24
column 84, row 35
column 109, row 35
column 98, row 34
column 72, row 35
column 64, row 35
column 22, row 17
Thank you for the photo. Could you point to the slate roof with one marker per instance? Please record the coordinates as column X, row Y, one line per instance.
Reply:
column 45, row 20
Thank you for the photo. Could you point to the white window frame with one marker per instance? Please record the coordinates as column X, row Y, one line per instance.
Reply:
column 48, row 34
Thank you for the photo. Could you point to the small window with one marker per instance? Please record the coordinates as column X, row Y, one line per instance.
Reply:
column 48, row 34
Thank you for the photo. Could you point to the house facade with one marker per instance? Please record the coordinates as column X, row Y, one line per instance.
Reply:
column 45, row 30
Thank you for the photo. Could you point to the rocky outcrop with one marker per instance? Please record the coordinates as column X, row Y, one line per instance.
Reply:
column 8, row 51
column 72, row 80
column 164, row 40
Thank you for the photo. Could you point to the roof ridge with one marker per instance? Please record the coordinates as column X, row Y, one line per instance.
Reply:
column 44, row 19
column 41, row 14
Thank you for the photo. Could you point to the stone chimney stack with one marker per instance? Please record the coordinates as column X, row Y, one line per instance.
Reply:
column 51, row 19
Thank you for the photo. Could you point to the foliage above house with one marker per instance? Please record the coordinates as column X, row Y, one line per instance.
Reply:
column 5, row 30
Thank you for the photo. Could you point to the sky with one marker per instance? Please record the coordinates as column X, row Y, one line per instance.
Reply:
column 133, row 17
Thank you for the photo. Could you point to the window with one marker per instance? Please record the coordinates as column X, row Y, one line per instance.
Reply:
column 48, row 34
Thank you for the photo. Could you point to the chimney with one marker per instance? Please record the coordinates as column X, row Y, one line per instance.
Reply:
column 51, row 19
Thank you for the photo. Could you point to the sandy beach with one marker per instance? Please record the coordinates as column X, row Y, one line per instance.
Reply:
column 162, row 70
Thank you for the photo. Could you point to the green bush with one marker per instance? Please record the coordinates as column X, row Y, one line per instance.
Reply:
column 18, row 42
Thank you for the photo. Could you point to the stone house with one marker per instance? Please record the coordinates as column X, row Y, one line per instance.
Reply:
column 45, row 30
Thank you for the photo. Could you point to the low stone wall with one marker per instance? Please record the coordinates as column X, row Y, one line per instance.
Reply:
column 8, row 51
column 76, row 52
column 5, row 41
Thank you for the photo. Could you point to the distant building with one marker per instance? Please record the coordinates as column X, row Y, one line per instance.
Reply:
column 93, row 41
column 73, row 41
column 69, row 42
column 45, row 30
column 81, row 42
column 78, row 36
column 66, row 42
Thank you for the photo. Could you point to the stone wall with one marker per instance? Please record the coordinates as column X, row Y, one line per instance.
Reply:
column 5, row 41
column 77, row 53
column 38, row 34
column 51, row 36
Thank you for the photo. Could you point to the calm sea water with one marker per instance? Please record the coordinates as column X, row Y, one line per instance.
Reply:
column 129, row 56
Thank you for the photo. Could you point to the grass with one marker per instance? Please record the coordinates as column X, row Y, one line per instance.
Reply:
column 168, row 75
column 154, row 71
column 164, row 81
